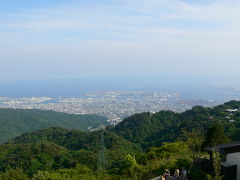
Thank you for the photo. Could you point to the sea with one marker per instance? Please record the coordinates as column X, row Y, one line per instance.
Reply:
column 189, row 90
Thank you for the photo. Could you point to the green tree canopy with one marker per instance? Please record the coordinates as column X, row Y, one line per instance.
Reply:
column 215, row 136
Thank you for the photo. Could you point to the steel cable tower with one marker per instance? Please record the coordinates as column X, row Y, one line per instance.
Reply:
column 102, row 163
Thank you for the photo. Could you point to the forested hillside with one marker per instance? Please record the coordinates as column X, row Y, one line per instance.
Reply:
column 77, row 140
column 166, row 126
column 15, row 122
column 57, row 148
column 140, row 147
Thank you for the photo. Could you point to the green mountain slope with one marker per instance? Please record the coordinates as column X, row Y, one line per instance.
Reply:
column 76, row 140
column 153, row 129
column 139, row 128
column 15, row 122
column 42, row 156
column 76, row 146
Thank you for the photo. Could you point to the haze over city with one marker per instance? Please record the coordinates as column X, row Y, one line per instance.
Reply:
column 177, row 40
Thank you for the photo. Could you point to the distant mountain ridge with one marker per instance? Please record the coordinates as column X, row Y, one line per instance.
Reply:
column 15, row 122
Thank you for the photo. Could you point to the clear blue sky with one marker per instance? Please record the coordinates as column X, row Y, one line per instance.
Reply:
column 118, row 38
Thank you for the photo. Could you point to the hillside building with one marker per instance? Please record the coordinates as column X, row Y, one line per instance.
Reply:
column 231, row 161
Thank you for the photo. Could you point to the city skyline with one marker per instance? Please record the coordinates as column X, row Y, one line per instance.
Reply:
column 114, row 105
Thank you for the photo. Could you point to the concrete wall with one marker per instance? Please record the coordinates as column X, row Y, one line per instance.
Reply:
column 233, row 159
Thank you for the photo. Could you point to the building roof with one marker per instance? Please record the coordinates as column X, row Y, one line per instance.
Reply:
column 228, row 147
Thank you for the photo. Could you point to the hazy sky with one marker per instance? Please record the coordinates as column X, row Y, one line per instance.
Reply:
column 42, row 39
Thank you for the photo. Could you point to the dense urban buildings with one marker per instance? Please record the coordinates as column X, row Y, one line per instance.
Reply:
column 115, row 105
